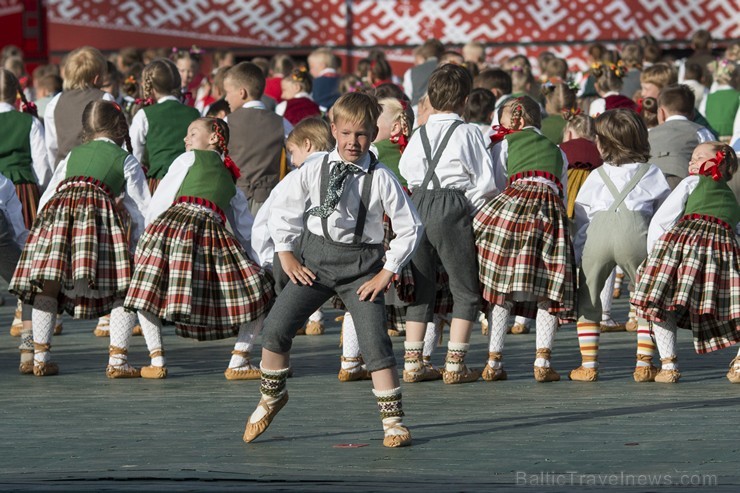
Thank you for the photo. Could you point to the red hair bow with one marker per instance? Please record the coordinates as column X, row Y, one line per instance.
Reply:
column 232, row 167
column 401, row 140
column 710, row 167
column 499, row 132
column 146, row 102
column 30, row 108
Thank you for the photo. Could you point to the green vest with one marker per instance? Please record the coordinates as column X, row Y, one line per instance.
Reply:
column 530, row 151
column 15, row 147
column 209, row 179
column 168, row 124
column 714, row 198
column 721, row 109
column 552, row 128
column 390, row 155
column 699, row 118
column 101, row 160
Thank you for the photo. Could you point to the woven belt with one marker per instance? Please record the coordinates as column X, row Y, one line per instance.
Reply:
column 711, row 219
column 202, row 202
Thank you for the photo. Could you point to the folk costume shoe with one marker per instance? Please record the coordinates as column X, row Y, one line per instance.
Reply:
column 121, row 370
column 491, row 374
column 355, row 371
column 545, row 373
column 645, row 373
column 154, row 372
column 245, row 372
column 733, row 375
column 668, row 376
column 42, row 368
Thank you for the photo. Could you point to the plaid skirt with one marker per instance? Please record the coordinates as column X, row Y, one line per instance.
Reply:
column 77, row 240
column 694, row 271
column 190, row 270
column 29, row 196
column 524, row 246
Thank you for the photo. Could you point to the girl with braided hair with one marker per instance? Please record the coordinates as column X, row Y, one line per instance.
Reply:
column 77, row 257
column 297, row 103
column 158, row 129
column 190, row 269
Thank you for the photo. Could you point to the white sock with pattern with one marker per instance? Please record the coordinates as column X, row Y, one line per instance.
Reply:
column 317, row 316
column 607, row 298
column 665, row 339
column 432, row 335
column 391, row 410
column 498, row 318
column 245, row 341
column 121, row 329
column 547, row 326
column 151, row 327
column 43, row 317
column 350, row 344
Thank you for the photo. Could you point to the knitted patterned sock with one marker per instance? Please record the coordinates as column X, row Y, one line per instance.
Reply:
column 245, row 341
column 43, row 317
column 665, row 337
column 317, row 316
column 121, row 329
column 350, row 344
column 645, row 343
column 412, row 356
column 588, row 341
column 432, row 336
column 272, row 388
column 391, row 410
column 26, row 345
column 607, row 297
column 456, row 352
column 498, row 318
column 618, row 277
column 547, row 326
column 151, row 327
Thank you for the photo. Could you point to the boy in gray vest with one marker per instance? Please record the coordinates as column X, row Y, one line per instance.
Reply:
column 676, row 136
column 335, row 205
column 257, row 135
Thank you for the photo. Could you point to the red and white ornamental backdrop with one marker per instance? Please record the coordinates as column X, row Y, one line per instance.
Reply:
column 303, row 24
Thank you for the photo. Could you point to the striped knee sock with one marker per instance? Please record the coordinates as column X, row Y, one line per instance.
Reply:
column 391, row 410
column 272, row 388
column 456, row 352
column 588, row 342
column 645, row 343
column 412, row 357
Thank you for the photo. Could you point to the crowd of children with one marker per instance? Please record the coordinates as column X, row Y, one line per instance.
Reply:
column 239, row 202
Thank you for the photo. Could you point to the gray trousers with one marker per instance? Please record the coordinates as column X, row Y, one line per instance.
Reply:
column 10, row 253
column 612, row 239
column 340, row 269
column 447, row 238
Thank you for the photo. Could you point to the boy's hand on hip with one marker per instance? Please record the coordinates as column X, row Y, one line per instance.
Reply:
column 375, row 286
column 296, row 271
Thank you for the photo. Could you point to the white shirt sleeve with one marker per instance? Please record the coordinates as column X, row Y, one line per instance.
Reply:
column 56, row 178
column 703, row 105
column 13, row 211
column 672, row 209
column 50, row 130
column 404, row 220
column 241, row 221
column 408, row 86
column 280, row 108
column 262, row 245
column 582, row 214
column 285, row 224
column 137, row 132
column 137, row 197
column 598, row 106
column 564, row 177
column 167, row 189
column 41, row 166
column 479, row 166
column 500, row 156
column 704, row 135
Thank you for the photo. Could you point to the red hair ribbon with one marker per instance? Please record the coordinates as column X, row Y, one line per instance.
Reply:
column 232, row 167
column 146, row 102
column 571, row 112
column 710, row 167
column 499, row 132
column 401, row 140
column 639, row 106
column 116, row 105
column 30, row 108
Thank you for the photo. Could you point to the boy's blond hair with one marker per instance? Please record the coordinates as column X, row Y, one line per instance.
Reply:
column 322, row 56
column 474, row 51
column 660, row 74
column 356, row 107
column 316, row 130
column 84, row 68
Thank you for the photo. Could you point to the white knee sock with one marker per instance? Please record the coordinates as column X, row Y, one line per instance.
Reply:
column 317, row 316
column 431, row 338
column 350, row 344
column 43, row 317
column 607, row 297
column 547, row 326
column 151, row 327
column 665, row 338
column 121, row 329
column 245, row 341
column 498, row 319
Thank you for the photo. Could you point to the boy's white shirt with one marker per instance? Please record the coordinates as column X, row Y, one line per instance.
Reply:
column 39, row 160
column 286, row 220
column 164, row 196
column 465, row 163
column 500, row 154
column 13, row 211
column 594, row 196
column 50, row 128
column 136, row 192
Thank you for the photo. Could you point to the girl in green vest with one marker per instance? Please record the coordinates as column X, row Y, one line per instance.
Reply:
column 723, row 101
column 189, row 268
column 77, row 257
column 691, row 275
